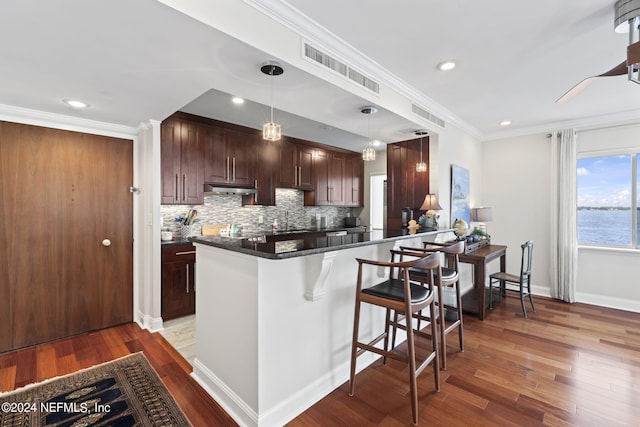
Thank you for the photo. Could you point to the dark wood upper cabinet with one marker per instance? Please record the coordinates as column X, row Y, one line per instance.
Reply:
column 266, row 171
column 228, row 156
column 330, row 178
column 296, row 165
column 353, row 181
column 405, row 186
column 182, row 163
column 198, row 150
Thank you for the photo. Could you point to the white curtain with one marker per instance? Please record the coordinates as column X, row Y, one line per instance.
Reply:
column 564, row 249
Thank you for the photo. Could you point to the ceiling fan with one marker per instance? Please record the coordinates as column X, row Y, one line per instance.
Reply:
column 627, row 19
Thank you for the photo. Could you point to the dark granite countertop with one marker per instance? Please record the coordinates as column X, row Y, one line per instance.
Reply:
column 274, row 246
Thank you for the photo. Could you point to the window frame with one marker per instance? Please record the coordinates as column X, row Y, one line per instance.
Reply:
column 634, row 153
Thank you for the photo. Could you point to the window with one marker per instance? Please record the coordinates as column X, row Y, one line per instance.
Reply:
column 606, row 201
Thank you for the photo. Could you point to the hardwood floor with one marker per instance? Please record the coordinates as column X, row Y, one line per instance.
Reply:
column 565, row 365
column 69, row 355
column 568, row 364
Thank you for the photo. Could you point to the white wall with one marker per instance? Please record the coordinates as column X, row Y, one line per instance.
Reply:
column 516, row 182
column 375, row 167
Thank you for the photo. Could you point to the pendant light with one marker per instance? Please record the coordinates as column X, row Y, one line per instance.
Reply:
column 271, row 131
column 421, row 166
column 369, row 153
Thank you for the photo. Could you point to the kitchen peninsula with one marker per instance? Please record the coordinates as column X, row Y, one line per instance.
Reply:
column 274, row 319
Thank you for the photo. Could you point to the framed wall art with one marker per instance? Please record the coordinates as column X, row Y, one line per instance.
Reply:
column 460, row 194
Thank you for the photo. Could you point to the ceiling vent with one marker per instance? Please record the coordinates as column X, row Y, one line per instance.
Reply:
column 322, row 58
column 427, row 115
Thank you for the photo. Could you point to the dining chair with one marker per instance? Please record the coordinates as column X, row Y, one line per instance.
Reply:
column 398, row 294
column 511, row 282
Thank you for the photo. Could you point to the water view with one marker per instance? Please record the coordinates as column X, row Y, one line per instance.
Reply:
column 604, row 226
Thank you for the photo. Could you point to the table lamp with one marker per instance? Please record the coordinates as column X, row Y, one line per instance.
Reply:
column 480, row 216
column 430, row 206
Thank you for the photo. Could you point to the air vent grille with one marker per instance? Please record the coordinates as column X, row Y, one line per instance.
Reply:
column 427, row 115
column 341, row 68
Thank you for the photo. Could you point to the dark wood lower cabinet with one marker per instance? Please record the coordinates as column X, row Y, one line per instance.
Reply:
column 178, row 280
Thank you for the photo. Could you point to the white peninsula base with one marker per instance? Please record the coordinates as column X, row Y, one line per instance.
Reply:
column 273, row 336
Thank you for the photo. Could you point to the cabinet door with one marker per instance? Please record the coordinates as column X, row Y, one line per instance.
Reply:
column 178, row 295
column 305, row 168
column 354, row 179
column 216, row 167
column 239, row 151
column 288, row 165
column 170, row 161
column 265, row 172
column 336, row 179
column 322, row 178
column 178, row 280
column 182, row 165
column 191, row 165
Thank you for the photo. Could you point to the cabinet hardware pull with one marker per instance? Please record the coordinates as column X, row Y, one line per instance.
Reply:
column 228, row 175
column 186, row 253
column 233, row 162
column 184, row 178
column 187, row 278
column 255, row 184
column 176, row 188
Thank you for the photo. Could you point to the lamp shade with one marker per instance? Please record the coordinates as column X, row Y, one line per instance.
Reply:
column 481, row 214
column 430, row 203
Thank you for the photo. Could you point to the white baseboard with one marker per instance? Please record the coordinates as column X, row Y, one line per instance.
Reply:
column 286, row 410
column 240, row 411
column 610, row 302
column 153, row 324
column 594, row 299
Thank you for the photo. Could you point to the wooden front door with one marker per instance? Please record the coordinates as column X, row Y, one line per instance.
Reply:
column 66, row 234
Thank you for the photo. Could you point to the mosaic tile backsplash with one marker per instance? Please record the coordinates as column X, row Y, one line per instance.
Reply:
column 227, row 209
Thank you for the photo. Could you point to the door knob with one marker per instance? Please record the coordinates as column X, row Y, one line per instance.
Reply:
column 106, row 242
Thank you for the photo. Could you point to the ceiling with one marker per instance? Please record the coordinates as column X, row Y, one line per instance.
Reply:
column 513, row 63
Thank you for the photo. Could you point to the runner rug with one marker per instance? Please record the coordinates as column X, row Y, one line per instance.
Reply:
column 124, row 392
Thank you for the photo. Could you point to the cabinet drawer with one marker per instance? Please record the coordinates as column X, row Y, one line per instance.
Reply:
column 183, row 252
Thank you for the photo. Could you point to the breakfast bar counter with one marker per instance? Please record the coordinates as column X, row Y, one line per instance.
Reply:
column 274, row 319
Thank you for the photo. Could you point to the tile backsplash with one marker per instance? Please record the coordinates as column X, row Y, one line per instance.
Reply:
column 228, row 209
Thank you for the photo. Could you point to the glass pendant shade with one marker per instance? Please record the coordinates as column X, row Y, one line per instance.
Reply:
column 368, row 154
column 271, row 131
column 421, row 166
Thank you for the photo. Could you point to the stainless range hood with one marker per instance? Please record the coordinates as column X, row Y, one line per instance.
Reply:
column 220, row 189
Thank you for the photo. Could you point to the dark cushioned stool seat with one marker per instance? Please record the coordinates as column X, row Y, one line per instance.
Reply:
column 447, row 273
column 394, row 289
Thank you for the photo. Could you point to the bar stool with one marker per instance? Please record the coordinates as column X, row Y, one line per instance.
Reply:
column 399, row 294
column 450, row 277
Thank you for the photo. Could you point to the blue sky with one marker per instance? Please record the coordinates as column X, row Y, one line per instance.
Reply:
column 604, row 181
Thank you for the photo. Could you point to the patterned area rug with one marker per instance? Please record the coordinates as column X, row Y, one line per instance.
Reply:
column 124, row 392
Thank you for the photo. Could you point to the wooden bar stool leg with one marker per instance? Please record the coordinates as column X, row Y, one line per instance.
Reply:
column 459, row 312
column 441, row 324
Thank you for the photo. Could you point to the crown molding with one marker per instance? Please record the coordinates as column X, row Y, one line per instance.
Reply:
column 59, row 121
column 582, row 124
column 285, row 14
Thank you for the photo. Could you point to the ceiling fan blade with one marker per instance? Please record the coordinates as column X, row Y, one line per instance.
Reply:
column 618, row 70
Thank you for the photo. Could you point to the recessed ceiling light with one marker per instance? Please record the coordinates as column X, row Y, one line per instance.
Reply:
column 376, row 143
column 446, row 65
column 237, row 100
column 505, row 123
column 74, row 103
